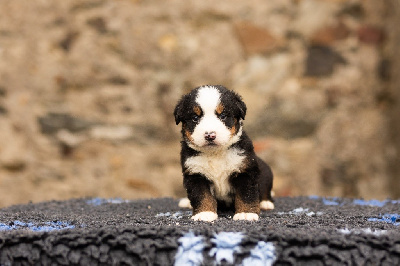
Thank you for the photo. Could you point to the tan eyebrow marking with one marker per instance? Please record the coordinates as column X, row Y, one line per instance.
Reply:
column 197, row 110
column 220, row 108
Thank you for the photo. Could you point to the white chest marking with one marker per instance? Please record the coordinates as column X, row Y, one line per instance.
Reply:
column 217, row 167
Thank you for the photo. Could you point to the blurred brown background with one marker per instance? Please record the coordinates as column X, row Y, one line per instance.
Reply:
column 87, row 91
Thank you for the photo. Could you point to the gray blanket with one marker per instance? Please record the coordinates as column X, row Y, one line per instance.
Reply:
column 301, row 230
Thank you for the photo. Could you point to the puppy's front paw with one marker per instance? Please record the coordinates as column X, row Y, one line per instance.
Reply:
column 184, row 203
column 205, row 216
column 266, row 205
column 248, row 216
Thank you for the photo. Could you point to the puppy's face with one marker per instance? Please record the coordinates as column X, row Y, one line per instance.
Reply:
column 211, row 117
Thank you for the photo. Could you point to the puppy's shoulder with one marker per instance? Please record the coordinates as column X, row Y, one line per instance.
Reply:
column 245, row 144
column 187, row 152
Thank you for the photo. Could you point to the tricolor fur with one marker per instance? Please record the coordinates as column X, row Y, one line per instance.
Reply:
column 218, row 161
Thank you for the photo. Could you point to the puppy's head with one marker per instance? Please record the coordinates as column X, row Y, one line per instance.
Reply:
column 211, row 117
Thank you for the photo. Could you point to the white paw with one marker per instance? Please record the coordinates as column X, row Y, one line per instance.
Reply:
column 205, row 216
column 184, row 203
column 248, row 216
column 266, row 205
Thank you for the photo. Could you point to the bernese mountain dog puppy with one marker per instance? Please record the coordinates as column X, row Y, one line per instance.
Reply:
column 220, row 168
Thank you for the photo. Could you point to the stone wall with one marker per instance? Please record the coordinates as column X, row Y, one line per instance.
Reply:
column 392, row 52
column 87, row 90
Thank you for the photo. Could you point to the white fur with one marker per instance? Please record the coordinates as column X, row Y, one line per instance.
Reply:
column 266, row 205
column 248, row 216
column 217, row 167
column 205, row 216
column 208, row 98
column 184, row 203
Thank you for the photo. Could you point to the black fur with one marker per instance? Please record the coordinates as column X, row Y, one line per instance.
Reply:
column 250, row 185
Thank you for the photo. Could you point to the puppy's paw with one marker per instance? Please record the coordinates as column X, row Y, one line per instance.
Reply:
column 205, row 216
column 248, row 216
column 184, row 203
column 266, row 205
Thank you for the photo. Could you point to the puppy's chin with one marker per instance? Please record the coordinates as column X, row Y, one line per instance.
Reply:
column 208, row 147
column 205, row 146
column 211, row 144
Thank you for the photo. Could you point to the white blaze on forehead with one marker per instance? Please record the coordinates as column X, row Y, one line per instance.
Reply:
column 208, row 98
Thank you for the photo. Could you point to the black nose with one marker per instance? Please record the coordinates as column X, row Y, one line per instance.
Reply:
column 210, row 136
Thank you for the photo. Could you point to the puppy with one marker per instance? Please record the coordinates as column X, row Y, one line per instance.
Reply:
column 220, row 168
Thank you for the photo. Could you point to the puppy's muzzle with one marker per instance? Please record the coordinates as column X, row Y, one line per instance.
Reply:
column 210, row 136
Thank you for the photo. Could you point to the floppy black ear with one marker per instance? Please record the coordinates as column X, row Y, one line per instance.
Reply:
column 178, row 112
column 241, row 105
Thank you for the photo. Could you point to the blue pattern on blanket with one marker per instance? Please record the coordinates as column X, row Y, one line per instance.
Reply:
column 42, row 227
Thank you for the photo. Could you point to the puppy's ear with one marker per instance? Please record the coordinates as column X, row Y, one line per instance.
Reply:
column 178, row 113
column 241, row 106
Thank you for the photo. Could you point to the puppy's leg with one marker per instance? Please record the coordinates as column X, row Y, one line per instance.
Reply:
column 247, row 199
column 266, row 180
column 202, row 201
column 267, row 202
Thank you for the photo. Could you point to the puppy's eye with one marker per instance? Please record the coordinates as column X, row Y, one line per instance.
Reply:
column 195, row 118
column 222, row 116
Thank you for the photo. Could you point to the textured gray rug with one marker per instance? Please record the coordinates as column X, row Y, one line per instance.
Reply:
column 301, row 230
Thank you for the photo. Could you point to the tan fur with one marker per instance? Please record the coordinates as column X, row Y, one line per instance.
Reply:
column 219, row 109
column 233, row 129
column 242, row 207
column 208, row 204
column 197, row 110
column 188, row 135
